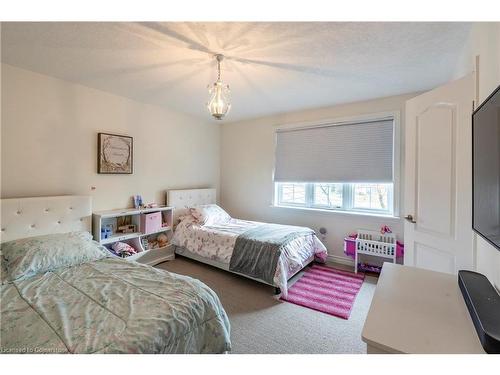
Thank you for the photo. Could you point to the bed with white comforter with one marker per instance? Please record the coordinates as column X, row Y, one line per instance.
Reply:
column 214, row 238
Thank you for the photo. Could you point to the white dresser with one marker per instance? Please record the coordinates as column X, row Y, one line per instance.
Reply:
column 418, row 311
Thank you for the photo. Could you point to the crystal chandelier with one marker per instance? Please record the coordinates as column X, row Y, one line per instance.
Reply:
column 218, row 105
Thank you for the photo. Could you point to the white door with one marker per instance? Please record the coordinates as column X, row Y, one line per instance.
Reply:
column 438, row 178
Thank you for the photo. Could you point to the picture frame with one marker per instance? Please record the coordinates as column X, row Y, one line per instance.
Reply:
column 115, row 154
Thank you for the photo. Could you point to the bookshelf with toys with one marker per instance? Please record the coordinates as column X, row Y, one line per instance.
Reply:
column 136, row 234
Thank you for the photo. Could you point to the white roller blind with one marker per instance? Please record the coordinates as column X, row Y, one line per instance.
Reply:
column 354, row 152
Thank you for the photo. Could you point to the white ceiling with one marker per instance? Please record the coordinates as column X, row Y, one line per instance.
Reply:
column 271, row 67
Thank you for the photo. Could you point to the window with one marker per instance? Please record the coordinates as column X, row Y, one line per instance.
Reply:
column 293, row 194
column 355, row 197
column 328, row 195
column 362, row 155
column 371, row 196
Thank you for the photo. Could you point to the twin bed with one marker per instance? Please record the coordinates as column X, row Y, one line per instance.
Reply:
column 268, row 253
column 63, row 293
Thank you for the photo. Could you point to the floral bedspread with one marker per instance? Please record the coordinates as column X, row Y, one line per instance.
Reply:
column 111, row 306
column 216, row 242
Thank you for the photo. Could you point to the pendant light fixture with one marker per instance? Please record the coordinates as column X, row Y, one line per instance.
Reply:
column 218, row 104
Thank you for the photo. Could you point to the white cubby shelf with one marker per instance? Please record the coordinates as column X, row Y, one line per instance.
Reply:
column 151, row 257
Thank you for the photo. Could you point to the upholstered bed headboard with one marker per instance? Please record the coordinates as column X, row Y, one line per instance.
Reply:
column 28, row 217
column 182, row 199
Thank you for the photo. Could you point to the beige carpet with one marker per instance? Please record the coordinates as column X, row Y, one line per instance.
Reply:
column 262, row 324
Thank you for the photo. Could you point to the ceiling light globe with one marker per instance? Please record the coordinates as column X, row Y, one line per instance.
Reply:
column 219, row 103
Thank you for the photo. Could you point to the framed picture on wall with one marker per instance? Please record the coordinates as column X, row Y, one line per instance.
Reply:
column 114, row 154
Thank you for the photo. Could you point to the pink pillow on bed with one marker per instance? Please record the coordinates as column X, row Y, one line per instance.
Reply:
column 209, row 214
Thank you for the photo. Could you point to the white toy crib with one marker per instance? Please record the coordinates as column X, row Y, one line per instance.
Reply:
column 375, row 244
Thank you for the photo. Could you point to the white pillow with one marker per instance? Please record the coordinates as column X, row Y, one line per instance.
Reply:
column 209, row 214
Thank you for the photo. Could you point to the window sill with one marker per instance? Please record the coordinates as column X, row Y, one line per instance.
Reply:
column 337, row 212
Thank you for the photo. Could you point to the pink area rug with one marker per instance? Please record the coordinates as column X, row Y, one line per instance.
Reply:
column 327, row 290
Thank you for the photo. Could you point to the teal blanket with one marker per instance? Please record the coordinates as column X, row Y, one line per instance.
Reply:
column 257, row 251
column 111, row 306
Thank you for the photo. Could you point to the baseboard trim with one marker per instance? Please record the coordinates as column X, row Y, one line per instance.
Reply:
column 340, row 260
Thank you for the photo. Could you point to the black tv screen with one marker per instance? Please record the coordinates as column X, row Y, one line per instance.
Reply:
column 486, row 169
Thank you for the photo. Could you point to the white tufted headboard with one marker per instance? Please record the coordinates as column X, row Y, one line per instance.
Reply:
column 28, row 217
column 182, row 199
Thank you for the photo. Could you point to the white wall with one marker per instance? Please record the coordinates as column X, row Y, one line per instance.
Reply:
column 484, row 41
column 247, row 160
column 49, row 143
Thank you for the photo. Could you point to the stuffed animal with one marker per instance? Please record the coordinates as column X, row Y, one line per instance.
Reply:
column 385, row 229
column 123, row 249
column 162, row 240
